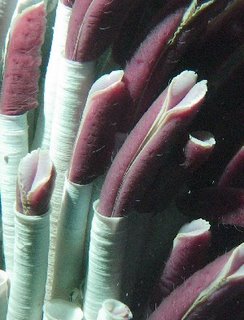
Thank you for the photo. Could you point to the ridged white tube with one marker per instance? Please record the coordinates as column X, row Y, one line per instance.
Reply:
column 4, row 292
column 74, row 83
column 44, row 124
column 96, row 190
column 13, row 147
column 57, row 309
column 30, row 267
column 106, row 262
column 71, row 239
column 1, row 238
column 114, row 310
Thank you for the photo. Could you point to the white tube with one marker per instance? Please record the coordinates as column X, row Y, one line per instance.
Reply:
column 4, row 292
column 96, row 190
column 30, row 267
column 114, row 310
column 1, row 237
column 106, row 262
column 74, row 83
column 71, row 239
column 13, row 147
column 44, row 124
column 57, row 309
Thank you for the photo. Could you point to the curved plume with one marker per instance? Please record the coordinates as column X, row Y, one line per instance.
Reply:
column 21, row 75
column 95, row 142
column 35, row 183
column 141, row 155
column 93, row 26
column 189, row 254
column 203, row 293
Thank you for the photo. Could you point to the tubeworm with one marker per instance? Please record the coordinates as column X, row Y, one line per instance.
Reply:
column 52, row 76
column 20, row 82
column 140, row 68
column 80, row 8
column 138, row 160
column 93, row 27
column 193, row 23
column 35, row 183
column 189, row 254
column 206, row 289
column 107, row 252
column 96, row 137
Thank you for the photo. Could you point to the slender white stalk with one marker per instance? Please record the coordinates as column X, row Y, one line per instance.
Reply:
column 74, row 83
column 1, row 238
column 30, row 267
column 13, row 147
column 106, row 261
column 44, row 124
column 57, row 309
column 114, row 310
column 4, row 292
column 71, row 239
column 96, row 190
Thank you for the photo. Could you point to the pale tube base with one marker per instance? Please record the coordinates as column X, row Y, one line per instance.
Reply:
column 4, row 292
column 44, row 124
column 71, row 96
column 71, row 237
column 73, row 86
column 30, row 267
column 96, row 190
column 13, row 147
column 106, row 262
column 114, row 310
column 57, row 309
column 1, row 240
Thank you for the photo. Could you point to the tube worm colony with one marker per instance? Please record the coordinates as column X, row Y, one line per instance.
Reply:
column 133, row 151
